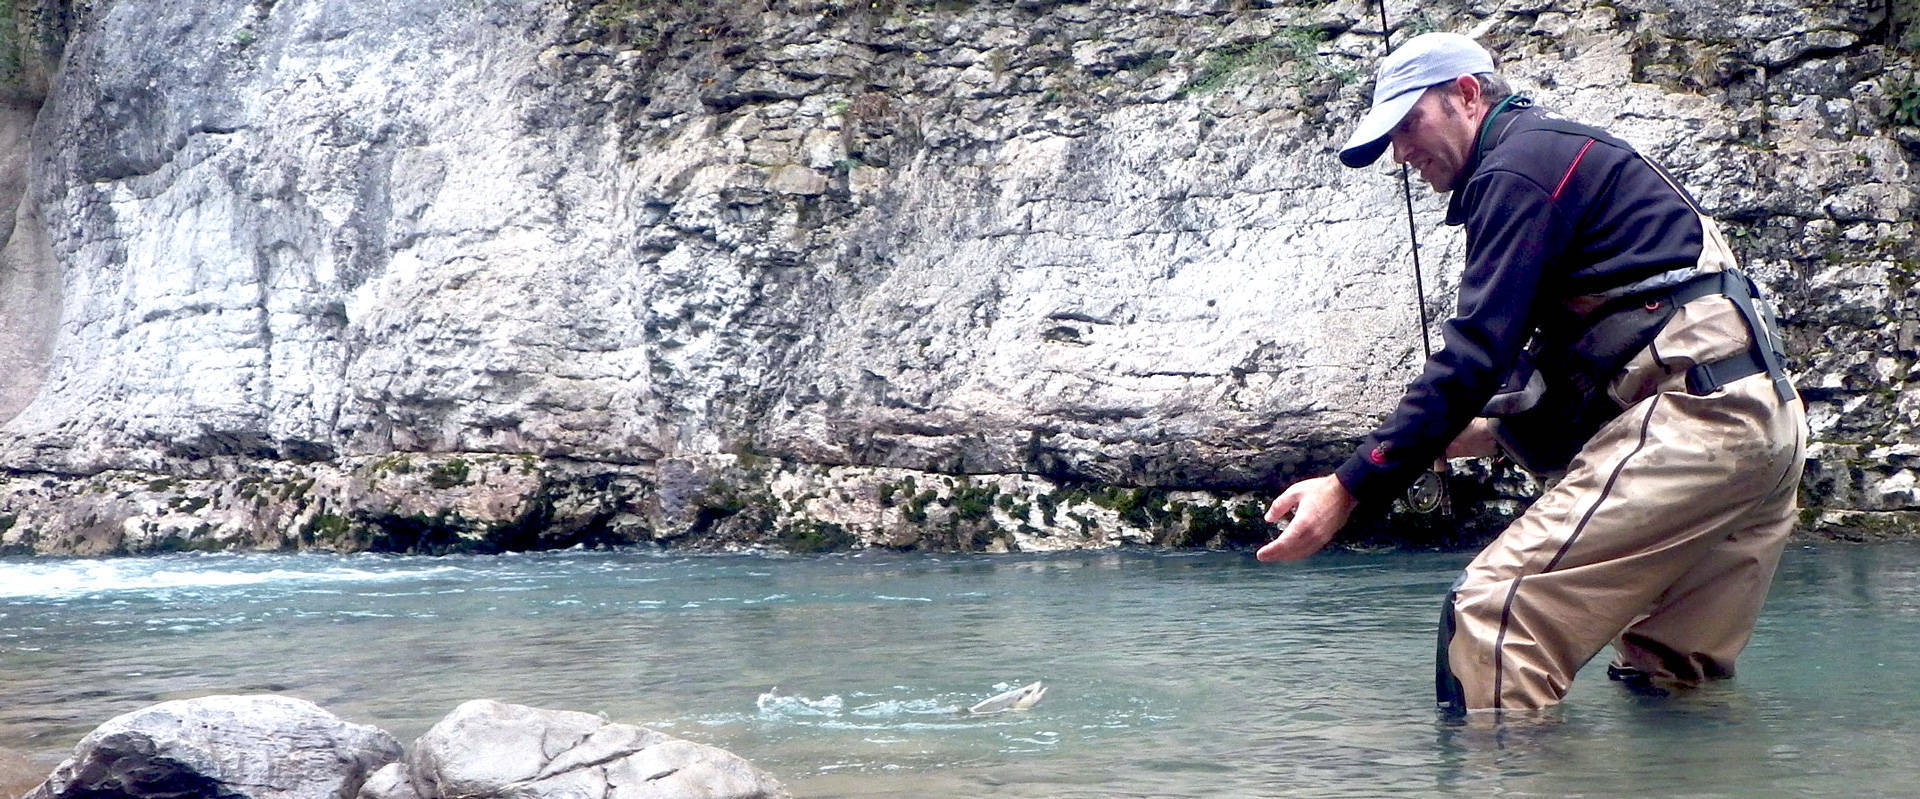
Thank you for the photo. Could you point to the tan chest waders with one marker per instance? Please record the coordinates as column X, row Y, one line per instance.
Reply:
column 1663, row 530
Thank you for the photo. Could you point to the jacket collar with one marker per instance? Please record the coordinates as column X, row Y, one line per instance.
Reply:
column 1499, row 121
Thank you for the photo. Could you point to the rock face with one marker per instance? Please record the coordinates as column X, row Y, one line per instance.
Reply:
column 740, row 273
column 491, row 750
column 229, row 747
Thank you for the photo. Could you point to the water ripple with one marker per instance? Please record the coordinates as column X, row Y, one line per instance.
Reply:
column 1186, row 674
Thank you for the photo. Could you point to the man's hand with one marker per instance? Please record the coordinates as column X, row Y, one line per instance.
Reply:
column 1476, row 441
column 1320, row 507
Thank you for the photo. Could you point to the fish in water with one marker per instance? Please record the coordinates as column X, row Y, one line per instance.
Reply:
column 1021, row 698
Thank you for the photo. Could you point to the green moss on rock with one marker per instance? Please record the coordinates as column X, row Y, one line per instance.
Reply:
column 808, row 536
column 325, row 527
column 449, row 474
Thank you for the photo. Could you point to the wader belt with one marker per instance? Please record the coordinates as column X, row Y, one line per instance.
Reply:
column 1706, row 378
column 1763, row 356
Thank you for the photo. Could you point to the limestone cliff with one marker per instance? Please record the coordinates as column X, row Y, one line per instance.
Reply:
column 914, row 273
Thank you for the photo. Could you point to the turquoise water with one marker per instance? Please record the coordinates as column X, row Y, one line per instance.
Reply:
column 1184, row 674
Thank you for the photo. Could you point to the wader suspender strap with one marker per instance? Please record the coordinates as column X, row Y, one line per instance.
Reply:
column 1763, row 356
column 1708, row 377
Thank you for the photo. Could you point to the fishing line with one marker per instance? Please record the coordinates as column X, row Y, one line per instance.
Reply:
column 1413, row 232
column 1428, row 493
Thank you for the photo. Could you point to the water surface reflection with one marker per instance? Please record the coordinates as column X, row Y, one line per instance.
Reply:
column 1172, row 674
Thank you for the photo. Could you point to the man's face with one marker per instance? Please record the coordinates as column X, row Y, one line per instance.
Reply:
column 1436, row 137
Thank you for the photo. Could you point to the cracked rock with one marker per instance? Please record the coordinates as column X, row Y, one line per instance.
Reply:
column 486, row 750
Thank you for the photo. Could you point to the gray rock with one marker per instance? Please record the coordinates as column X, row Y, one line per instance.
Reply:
column 232, row 747
column 390, row 782
column 486, row 750
column 1101, row 241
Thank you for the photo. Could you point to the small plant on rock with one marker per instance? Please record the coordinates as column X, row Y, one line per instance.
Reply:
column 1295, row 46
column 1903, row 98
column 449, row 474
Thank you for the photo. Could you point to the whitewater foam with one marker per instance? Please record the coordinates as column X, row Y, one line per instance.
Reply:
column 71, row 578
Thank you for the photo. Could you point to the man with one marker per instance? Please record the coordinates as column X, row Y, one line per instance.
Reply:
column 1679, row 438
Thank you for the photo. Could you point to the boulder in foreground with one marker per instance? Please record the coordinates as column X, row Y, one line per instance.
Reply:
column 486, row 749
column 223, row 747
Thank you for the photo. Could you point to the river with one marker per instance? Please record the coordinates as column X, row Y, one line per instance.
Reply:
column 1169, row 674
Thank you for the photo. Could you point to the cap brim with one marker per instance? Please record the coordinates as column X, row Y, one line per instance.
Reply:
column 1369, row 140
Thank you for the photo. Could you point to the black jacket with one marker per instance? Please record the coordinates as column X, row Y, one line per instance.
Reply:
column 1554, row 210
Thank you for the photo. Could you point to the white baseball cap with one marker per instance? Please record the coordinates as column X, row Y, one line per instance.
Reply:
column 1425, row 61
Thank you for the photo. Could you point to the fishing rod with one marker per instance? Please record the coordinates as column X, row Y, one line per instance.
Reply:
column 1428, row 494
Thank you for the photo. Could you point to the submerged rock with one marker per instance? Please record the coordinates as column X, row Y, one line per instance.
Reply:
column 486, row 749
column 231, row 747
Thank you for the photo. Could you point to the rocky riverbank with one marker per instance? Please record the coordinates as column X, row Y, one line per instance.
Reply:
column 484, row 502
column 452, row 275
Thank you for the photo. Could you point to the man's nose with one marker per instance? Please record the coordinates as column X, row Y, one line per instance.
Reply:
column 1399, row 153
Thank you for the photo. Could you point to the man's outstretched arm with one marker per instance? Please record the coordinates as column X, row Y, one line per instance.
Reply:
column 1320, row 506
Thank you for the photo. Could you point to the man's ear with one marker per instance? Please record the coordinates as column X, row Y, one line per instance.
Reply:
column 1470, row 90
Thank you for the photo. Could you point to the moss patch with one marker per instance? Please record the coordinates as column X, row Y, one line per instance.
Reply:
column 440, row 533
column 449, row 474
column 1903, row 100
column 200, row 539
column 1220, row 525
column 188, row 504
column 916, row 510
column 396, row 463
column 1863, row 525
column 325, row 527
column 1294, row 47
column 973, row 503
column 809, row 536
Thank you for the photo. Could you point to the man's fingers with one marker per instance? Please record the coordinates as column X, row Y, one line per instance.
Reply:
column 1300, row 540
column 1280, row 548
column 1283, row 505
column 1287, row 544
column 1319, row 508
column 1278, row 510
column 1303, row 537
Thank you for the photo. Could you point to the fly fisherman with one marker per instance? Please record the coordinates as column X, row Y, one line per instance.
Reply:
column 1670, row 433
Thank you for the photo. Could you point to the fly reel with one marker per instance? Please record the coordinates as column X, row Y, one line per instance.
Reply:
column 1428, row 494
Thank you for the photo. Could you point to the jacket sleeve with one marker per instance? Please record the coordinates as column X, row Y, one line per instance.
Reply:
column 1513, row 231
